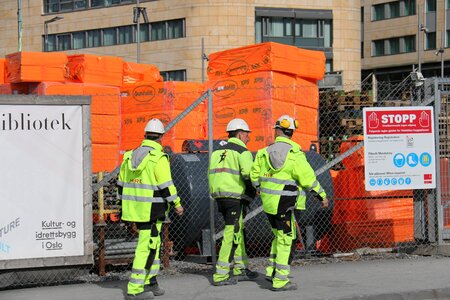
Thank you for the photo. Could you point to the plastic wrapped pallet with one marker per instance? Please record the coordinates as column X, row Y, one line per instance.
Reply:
column 88, row 68
column 134, row 73
column 267, row 56
column 36, row 67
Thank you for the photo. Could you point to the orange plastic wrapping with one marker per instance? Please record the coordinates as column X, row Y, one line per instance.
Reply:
column 105, row 157
column 260, row 98
column 375, row 234
column 308, row 93
column 36, row 66
column 89, row 68
column 2, row 70
column 160, row 95
column 267, row 56
column 134, row 73
column 105, row 129
column 356, row 159
column 190, row 127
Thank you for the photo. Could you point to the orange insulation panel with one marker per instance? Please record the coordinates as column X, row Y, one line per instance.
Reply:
column 36, row 67
column 267, row 56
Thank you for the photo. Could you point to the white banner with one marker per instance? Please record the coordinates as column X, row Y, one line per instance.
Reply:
column 41, row 177
column 399, row 148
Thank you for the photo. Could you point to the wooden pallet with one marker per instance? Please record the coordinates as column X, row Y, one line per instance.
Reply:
column 352, row 123
column 396, row 103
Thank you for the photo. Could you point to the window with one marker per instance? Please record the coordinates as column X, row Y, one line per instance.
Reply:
column 447, row 40
column 171, row 29
column 430, row 40
column 309, row 28
column 125, row 35
column 409, row 7
column 175, row 29
column 63, row 42
column 394, row 9
column 51, row 6
column 378, row 12
column 79, row 40
column 447, row 6
column 393, row 46
column 431, row 5
column 158, row 31
column 94, row 38
column 177, row 75
column 409, row 43
column 378, row 48
column 109, row 37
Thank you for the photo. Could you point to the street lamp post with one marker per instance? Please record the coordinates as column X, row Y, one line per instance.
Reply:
column 57, row 18
column 441, row 52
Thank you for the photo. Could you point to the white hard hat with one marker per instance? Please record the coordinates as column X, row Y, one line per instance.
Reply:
column 237, row 124
column 286, row 122
column 155, row 126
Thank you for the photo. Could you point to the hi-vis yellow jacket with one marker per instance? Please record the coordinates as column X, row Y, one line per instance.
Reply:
column 229, row 171
column 282, row 173
column 146, row 182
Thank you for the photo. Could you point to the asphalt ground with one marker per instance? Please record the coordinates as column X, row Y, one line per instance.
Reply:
column 403, row 277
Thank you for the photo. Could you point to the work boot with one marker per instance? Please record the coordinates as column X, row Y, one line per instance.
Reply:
column 140, row 296
column 155, row 289
column 268, row 278
column 246, row 275
column 229, row 281
column 288, row 287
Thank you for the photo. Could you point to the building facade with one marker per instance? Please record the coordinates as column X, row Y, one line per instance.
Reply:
column 172, row 32
column 399, row 36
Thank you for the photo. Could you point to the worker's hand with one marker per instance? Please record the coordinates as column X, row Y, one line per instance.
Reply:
column 179, row 210
column 325, row 203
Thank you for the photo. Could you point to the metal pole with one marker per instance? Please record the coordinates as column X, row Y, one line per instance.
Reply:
column 19, row 25
column 442, row 53
column 211, row 200
column 419, row 29
column 138, row 33
column 203, row 60
column 45, row 36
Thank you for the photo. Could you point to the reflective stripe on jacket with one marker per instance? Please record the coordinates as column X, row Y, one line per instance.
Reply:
column 146, row 183
column 229, row 169
column 282, row 187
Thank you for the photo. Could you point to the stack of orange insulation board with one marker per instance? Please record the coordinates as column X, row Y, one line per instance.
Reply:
column 100, row 77
column 368, row 218
column 259, row 83
column 165, row 101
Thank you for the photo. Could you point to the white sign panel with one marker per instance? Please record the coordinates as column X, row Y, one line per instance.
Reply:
column 41, row 177
column 399, row 150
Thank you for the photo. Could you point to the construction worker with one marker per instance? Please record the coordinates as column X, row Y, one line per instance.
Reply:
column 280, row 173
column 146, row 190
column 230, row 186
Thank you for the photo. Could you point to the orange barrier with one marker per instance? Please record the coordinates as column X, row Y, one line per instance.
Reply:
column 350, row 184
column 134, row 73
column 375, row 234
column 158, row 96
column 105, row 129
column 90, row 68
column 355, row 160
column 371, row 209
column 2, row 70
column 13, row 88
column 267, row 56
column 105, row 157
column 36, row 66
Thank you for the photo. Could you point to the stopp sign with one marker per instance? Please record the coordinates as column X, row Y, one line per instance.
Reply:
column 398, row 118
column 399, row 121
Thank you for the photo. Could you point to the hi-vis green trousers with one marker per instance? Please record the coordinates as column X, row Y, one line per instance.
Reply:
column 146, row 263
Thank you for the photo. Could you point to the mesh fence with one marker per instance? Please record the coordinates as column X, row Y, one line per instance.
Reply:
column 331, row 127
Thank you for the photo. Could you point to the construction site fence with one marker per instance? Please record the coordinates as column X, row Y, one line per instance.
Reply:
column 330, row 133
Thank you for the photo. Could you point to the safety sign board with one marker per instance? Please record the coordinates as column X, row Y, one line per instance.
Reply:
column 41, row 197
column 399, row 148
